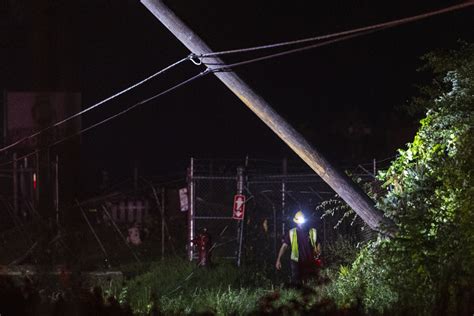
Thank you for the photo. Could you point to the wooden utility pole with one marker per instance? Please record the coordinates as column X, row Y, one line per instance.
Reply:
column 338, row 181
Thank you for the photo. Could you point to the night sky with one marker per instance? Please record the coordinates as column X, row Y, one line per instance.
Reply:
column 100, row 47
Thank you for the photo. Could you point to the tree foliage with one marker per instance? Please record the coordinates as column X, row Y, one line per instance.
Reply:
column 429, row 266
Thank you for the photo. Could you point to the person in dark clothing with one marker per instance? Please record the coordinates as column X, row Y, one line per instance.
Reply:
column 304, row 250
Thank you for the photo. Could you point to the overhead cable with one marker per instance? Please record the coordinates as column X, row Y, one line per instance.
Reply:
column 358, row 31
column 226, row 67
column 21, row 140
column 182, row 83
column 374, row 27
column 223, row 67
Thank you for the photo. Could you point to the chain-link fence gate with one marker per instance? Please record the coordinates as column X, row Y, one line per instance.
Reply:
column 274, row 192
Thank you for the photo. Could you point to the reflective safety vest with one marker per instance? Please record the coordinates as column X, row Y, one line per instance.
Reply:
column 294, row 242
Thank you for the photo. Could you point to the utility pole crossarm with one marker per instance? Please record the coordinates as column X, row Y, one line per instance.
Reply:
column 337, row 180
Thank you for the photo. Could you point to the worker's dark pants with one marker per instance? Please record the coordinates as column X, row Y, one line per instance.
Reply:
column 301, row 272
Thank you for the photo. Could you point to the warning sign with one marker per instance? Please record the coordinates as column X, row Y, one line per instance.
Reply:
column 239, row 207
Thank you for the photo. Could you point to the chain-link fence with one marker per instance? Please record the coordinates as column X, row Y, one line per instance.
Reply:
column 274, row 192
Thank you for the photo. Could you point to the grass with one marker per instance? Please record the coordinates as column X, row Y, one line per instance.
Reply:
column 175, row 286
column 218, row 301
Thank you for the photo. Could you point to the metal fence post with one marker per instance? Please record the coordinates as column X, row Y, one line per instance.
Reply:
column 15, row 185
column 283, row 196
column 275, row 249
column 162, row 209
column 191, row 210
column 240, row 230
column 375, row 168
column 56, row 188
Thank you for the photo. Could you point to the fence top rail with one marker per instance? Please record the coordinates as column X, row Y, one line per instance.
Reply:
column 213, row 217
column 291, row 175
column 257, row 177
column 292, row 181
column 213, row 178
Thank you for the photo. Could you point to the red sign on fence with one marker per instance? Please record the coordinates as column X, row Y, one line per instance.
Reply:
column 239, row 207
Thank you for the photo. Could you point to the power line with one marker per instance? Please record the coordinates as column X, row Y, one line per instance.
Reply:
column 207, row 71
column 375, row 27
column 182, row 83
column 94, row 105
column 288, row 52
column 351, row 33
column 347, row 35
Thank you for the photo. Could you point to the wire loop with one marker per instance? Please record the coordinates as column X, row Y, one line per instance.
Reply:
column 195, row 59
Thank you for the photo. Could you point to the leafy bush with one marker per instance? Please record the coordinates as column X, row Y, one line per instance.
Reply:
column 364, row 283
column 342, row 251
column 427, row 268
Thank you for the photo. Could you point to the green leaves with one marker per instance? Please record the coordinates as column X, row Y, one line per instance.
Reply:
column 430, row 195
column 429, row 184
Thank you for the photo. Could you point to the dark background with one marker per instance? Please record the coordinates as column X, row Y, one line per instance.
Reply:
column 345, row 98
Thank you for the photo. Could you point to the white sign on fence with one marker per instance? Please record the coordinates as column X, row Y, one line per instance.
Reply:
column 183, row 199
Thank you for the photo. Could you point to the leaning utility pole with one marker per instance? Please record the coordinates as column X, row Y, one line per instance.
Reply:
column 338, row 181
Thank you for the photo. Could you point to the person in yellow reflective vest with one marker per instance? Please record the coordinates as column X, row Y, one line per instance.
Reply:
column 302, row 241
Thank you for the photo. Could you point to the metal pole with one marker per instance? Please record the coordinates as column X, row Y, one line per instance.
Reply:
column 161, row 207
column 375, row 168
column 339, row 181
column 120, row 233
column 283, row 196
column 191, row 210
column 324, row 234
column 162, row 223
column 275, row 250
column 135, row 177
column 5, row 118
column 240, row 229
column 22, row 193
column 28, row 189
column 93, row 232
column 15, row 185
column 38, row 188
column 56, row 189
column 31, row 189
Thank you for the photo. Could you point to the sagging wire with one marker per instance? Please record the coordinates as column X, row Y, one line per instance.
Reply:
column 21, row 140
column 374, row 27
column 340, row 36
column 197, row 58
column 227, row 67
column 201, row 74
